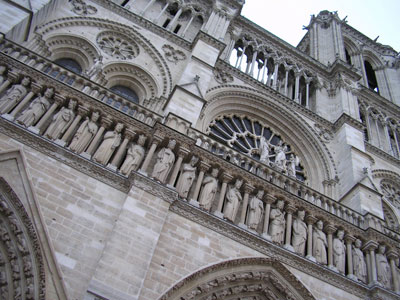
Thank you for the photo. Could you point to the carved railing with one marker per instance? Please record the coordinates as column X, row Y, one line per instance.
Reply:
column 218, row 188
column 79, row 83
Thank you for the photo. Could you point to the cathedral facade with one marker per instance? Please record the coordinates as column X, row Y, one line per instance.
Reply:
column 173, row 149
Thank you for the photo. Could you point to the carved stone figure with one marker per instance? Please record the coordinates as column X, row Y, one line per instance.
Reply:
column 280, row 156
column 339, row 252
column 165, row 161
column 292, row 164
column 3, row 69
column 360, row 267
column 264, row 150
column 14, row 95
column 36, row 109
column 320, row 243
column 85, row 134
column 61, row 121
column 233, row 200
column 186, row 178
column 111, row 141
column 96, row 68
column 299, row 233
column 277, row 226
column 134, row 156
column 256, row 210
column 382, row 267
column 207, row 194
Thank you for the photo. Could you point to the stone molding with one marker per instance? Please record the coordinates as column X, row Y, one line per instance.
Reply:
column 382, row 154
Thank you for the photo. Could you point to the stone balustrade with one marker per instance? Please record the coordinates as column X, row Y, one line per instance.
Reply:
column 208, row 175
column 79, row 83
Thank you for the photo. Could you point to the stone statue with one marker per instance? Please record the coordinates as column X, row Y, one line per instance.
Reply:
column 61, row 121
column 299, row 233
column 233, row 200
column 294, row 161
column 3, row 69
column 111, row 141
column 280, row 156
column 36, row 109
column 277, row 226
column 360, row 267
column 264, row 150
column 134, row 157
column 382, row 267
column 14, row 95
column 210, row 186
column 185, row 181
column 165, row 161
column 320, row 243
column 96, row 68
column 85, row 134
column 339, row 252
column 256, row 210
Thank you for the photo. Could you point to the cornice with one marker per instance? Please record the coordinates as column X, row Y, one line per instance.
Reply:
column 210, row 40
column 382, row 154
column 271, row 250
column 384, row 104
column 346, row 119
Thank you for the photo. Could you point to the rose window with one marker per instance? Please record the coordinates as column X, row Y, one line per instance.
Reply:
column 117, row 45
column 391, row 192
column 255, row 139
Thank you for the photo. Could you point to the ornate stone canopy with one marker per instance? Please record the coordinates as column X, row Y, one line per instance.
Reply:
column 248, row 278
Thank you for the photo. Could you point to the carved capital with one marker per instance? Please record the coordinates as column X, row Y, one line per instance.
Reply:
column 157, row 139
column 59, row 100
column 106, row 122
column 226, row 177
column 203, row 166
column 370, row 245
column 36, row 87
column 182, row 152
column 129, row 133
column 290, row 208
column 391, row 254
column 349, row 239
column 269, row 198
column 83, row 110
column 248, row 188
column 310, row 219
column 330, row 229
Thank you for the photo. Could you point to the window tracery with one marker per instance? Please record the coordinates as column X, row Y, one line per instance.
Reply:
column 117, row 45
column 125, row 92
column 69, row 64
column 257, row 140
column 391, row 192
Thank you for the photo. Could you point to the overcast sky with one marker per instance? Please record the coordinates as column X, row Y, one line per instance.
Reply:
column 285, row 18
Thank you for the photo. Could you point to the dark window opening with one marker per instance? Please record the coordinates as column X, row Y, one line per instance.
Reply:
column 371, row 77
column 69, row 64
column 176, row 30
column 125, row 92
column 166, row 23
column 348, row 57
column 124, row 3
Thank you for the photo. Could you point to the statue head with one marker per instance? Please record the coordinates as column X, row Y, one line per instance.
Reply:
column 119, row 127
column 280, row 204
column 95, row 116
column 142, row 140
column 238, row 183
column 194, row 160
column 26, row 81
column 71, row 104
column 171, row 144
column 260, row 194
column 49, row 92
column 358, row 243
column 340, row 234
column 2, row 70
column 214, row 172
column 301, row 214
column 320, row 224
column 382, row 249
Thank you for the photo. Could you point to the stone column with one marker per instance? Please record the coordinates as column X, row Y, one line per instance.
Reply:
column 114, row 165
column 104, row 123
column 188, row 24
column 162, row 12
column 275, row 82
column 82, row 111
column 5, row 85
column 264, row 68
column 297, row 87
column 239, row 66
column 182, row 152
column 248, row 188
column 58, row 101
column 349, row 239
column 147, row 6
column 370, row 247
column 176, row 17
column 35, row 89
column 308, row 81
column 394, row 130
column 156, row 140
column 253, row 63
column 286, row 81
column 387, row 136
column 392, row 256
column 290, row 209
column 225, row 179
column 310, row 220
column 269, row 199
column 203, row 167
column 330, row 230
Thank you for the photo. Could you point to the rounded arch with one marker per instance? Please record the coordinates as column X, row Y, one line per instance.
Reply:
column 133, row 77
column 242, row 278
column 311, row 150
column 160, row 71
column 63, row 46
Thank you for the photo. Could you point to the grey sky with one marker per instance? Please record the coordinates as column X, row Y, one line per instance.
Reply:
column 285, row 18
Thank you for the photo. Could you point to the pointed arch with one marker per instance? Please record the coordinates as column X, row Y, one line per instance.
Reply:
column 256, row 277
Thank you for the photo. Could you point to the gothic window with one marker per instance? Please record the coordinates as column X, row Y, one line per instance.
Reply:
column 391, row 192
column 117, row 45
column 348, row 57
column 69, row 64
column 125, row 92
column 371, row 77
column 245, row 135
column 390, row 217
